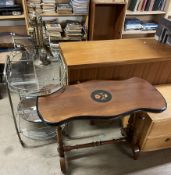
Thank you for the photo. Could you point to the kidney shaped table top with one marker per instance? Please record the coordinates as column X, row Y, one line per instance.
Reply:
column 100, row 100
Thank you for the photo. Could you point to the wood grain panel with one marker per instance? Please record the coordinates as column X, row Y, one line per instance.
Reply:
column 156, row 131
column 161, row 127
column 118, row 60
column 76, row 101
column 154, row 72
column 114, row 52
column 106, row 19
column 157, row 143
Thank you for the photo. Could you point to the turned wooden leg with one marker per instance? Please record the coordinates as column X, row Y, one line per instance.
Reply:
column 61, row 150
column 132, row 136
column 92, row 122
column 136, row 152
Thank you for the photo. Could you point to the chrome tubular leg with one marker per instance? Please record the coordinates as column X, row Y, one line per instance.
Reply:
column 14, row 118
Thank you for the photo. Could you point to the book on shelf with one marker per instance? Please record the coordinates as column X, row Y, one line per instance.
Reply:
column 62, row 1
column 48, row 9
column 132, row 24
column 53, row 27
column 80, row 6
column 158, row 5
column 64, row 8
column 147, row 5
column 31, row 4
column 74, row 25
column 140, row 5
column 144, row 5
column 136, row 24
column 53, row 30
column 48, row 6
column 55, row 36
column 133, row 5
column 34, row 1
column 49, row 1
column 163, row 32
column 10, row 10
column 151, row 5
column 7, row 2
column 73, row 30
column 149, row 26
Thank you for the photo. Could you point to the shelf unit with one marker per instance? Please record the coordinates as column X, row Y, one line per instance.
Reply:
column 106, row 19
column 83, row 18
column 145, row 16
column 17, row 24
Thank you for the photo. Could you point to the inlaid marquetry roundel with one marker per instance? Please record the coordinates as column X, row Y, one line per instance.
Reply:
column 101, row 96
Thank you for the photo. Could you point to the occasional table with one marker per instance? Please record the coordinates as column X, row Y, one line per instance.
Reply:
column 97, row 100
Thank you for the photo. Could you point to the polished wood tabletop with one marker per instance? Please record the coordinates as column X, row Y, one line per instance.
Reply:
column 100, row 99
column 116, row 52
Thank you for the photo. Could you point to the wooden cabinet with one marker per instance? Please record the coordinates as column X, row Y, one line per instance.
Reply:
column 106, row 19
column 16, row 23
column 153, row 131
column 107, row 60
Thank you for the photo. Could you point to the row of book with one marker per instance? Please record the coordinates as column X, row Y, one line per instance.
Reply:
column 64, row 9
column 163, row 33
column 15, row 10
column 6, row 2
column 48, row 6
column 136, row 24
column 147, row 5
column 74, row 6
column 73, row 30
column 54, row 31
column 34, row 4
column 80, row 6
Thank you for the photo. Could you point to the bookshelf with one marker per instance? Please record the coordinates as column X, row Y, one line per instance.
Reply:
column 61, row 18
column 17, row 24
column 154, row 16
column 106, row 19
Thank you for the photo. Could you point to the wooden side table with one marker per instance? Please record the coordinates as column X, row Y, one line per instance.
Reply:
column 97, row 100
